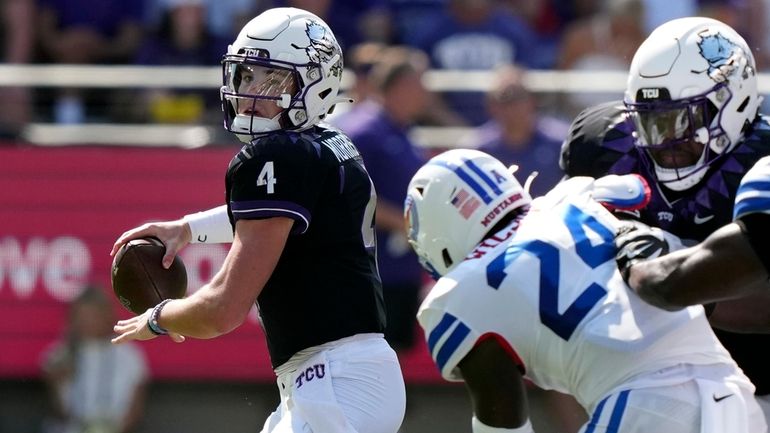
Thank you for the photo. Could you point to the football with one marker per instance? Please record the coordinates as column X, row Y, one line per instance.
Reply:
column 139, row 279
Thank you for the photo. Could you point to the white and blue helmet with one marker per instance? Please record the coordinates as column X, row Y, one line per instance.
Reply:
column 692, row 82
column 453, row 201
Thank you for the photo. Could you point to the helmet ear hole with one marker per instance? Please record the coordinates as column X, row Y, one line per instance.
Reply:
column 324, row 93
column 447, row 259
column 743, row 105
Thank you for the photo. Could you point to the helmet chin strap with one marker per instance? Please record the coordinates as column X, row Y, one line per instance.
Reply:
column 248, row 126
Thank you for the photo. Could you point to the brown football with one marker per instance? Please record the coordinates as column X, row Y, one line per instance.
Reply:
column 139, row 279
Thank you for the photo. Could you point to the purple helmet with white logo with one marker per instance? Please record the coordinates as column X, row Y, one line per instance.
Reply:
column 691, row 94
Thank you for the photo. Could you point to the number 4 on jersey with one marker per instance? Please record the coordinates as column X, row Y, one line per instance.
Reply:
column 267, row 177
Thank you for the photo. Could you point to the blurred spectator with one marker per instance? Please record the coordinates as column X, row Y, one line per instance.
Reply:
column 657, row 12
column 476, row 35
column 606, row 41
column 544, row 19
column 18, row 47
column 224, row 18
column 94, row 386
column 353, row 21
column 87, row 32
column 380, row 126
column 360, row 61
column 518, row 134
column 182, row 39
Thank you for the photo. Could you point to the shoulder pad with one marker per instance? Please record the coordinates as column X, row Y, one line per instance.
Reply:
column 753, row 194
column 583, row 152
column 626, row 192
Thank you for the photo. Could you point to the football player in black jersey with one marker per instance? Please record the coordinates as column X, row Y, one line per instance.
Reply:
column 300, row 215
column 690, row 125
column 733, row 262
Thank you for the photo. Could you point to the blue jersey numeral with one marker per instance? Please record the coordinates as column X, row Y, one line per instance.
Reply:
column 563, row 324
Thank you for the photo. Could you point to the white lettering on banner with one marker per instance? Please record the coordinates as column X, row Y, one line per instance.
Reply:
column 63, row 265
column 67, row 269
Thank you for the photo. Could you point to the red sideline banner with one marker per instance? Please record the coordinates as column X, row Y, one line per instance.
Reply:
column 60, row 211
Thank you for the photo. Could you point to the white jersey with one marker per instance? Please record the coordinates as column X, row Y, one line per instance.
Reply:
column 550, row 289
column 754, row 191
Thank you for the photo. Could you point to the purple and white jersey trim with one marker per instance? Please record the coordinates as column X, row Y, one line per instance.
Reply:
column 259, row 209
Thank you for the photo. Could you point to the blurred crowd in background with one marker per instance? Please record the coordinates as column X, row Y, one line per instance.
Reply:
column 453, row 34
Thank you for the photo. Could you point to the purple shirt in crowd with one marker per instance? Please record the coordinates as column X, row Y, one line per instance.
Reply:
column 391, row 160
column 103, row 16
column 500, row 39
column 541, row 154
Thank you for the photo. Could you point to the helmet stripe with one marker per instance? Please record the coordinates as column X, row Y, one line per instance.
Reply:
column 475, row 168
column 462, row 174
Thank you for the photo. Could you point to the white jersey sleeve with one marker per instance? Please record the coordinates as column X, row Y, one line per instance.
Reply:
column 552, row 295
column 459, row 311
column 753, row 194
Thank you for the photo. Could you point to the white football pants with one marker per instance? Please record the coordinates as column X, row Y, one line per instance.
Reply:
column 711, row 402
column 353, row 385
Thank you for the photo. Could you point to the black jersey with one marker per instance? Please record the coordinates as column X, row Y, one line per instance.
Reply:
column 600, row 142
column 326, row 285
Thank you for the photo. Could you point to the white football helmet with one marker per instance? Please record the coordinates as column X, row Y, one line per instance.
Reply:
column 285, row 57
column 453, row 201
column 692, row 89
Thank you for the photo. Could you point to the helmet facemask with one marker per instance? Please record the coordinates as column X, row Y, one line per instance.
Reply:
column 258, row 93
column 691, row 96
column 679, row 136
column 298, row 64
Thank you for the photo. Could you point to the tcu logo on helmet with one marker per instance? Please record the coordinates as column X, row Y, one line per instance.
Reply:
column 254, row 52
column 323, row 47
column 651, row 93
column 722, row 55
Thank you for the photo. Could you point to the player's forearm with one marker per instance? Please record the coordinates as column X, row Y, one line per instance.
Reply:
column 222, row 305
column 201, row 315
column 701, row 274
column 657, row 281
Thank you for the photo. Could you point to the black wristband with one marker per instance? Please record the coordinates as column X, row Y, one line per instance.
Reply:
column 152, row 322
column 755, row 227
